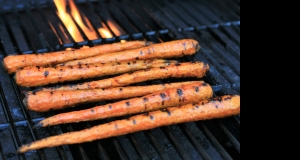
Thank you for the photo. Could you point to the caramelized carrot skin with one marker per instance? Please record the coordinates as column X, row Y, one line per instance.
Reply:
column 43, row 101
column 191, row 93
column 219, row 107
column 176, row 48
column 39, row 76
column 188, row 69
column 14, row 62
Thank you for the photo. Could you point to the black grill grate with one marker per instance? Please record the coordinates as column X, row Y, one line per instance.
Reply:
column 32, row 26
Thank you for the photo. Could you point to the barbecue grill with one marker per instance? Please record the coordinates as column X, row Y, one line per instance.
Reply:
column 33, row 26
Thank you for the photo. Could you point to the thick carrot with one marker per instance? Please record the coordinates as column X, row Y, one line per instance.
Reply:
column 219, row 107
column 190, row 93
column 176, row 48
column 188, row 69
column 38, row 76
column 52, row 100
column 14, row 62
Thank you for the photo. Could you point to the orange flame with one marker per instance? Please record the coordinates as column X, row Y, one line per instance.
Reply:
column 105, row 33
column 69, row 23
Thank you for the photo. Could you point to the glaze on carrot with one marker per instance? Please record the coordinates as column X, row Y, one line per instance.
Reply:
column 172, row 49
column 38, row 76
column 187, row 69
column 43, row 101
column 190, row 93
column 14, row 62
column 219, row 107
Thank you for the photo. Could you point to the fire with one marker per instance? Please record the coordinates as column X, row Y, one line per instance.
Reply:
column 105, row 33
column 69, row 23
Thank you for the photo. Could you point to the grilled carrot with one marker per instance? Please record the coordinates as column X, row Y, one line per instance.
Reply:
column 176, row 48
column 219, row 107
column 190, row 93
column 14, row 62
column 37, row 76
column 188, row 69
column 52, row 100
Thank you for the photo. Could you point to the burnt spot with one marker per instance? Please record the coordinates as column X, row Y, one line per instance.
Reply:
column 166, row 110
column 180, row 92
column 75, row 58
column 217, row 106
column 134, row 62
column 162, row 67
column 116, row 126
column 204, row 84
column 197, row 89
column 79, row 66
column 127, row 103
column 141, row 52
column 71, row 67
column 51, row 92
column 103, row 89
column 228, row 98
column 34, row 92
column 133, row 121
column 151, row 117
column 92, row 111
column 162, row 95
column 202, row 103
column 177, row 63
column 38, row 67
column 184, row 45
column 46, row 73
column 60, row 70
column 137, row 58
column 145, row 99
column 146, row 114
column 219, row 99
column 110, row 107
column 118, row 63
column 163, row 103
column 128, row 63
column 130, row 72
column 121, row 89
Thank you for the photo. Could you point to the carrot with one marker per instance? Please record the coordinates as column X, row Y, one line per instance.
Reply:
column 176, row 48
column 14, row 62
column 219, row 107
column 188, row 69
column 52, row 100
column 37, row 76
column 190, row 93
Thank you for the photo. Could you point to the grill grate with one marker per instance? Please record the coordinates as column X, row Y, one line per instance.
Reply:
column 33, row 27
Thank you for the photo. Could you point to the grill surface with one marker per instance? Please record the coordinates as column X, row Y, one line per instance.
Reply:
column 33, row 27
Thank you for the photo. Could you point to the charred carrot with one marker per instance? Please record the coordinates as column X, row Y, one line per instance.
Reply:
column 176, row 48
column 190, row 93
column 219, row 107
column 188, row 69
column 14, row 62
column 52, row 100
column 38, row 76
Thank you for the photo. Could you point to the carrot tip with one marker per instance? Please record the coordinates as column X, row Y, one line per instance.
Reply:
column 38, row 125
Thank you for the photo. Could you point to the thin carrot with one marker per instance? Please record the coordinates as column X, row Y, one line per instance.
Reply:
column 38, row 76
column 14, row 62
column 188, row 69
column 176, row 48
column 219, row 107
column 190, row 93
column 43, row 101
